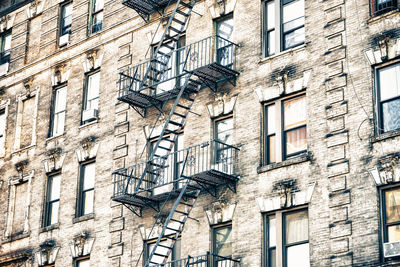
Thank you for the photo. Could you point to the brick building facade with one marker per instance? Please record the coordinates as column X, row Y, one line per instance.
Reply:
column 294, row 145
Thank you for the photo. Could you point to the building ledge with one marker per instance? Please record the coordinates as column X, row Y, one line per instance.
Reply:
column 299, row 159
column 17, row 236
column 290, row 50
column 49, row 228
column 83, row 218
column 386, row 15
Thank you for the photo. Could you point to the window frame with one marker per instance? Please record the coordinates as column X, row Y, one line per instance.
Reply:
column 280, row 132
column 53, row 107
column 47, row 208
column 80, row 259
column 82, row 192
column 279, row 34
column 213, row 240
column 280, row 226
column 5, row 54
column 86, row 93
column 382, row 201
column 229, row 46
column 379, row 127
column 375, row 11
column 93, row 13
column 61, row 22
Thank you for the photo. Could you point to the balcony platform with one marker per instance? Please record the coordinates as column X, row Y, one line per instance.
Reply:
column 139, row 85
column 201, row 170
column 146, row 7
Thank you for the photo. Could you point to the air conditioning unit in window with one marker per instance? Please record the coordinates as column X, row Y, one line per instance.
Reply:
column 391, row 249
column 90, row 115
column 64, row 39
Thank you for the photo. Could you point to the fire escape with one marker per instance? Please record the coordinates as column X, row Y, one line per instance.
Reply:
column 167, row 174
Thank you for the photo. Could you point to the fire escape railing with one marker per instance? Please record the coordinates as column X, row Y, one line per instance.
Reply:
column 207, row 260
column 211, row 50
column 211, row 155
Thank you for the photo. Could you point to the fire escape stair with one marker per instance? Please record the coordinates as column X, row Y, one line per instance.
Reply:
column 173, row 225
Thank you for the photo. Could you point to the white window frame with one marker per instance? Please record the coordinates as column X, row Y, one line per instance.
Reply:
column 58, row 116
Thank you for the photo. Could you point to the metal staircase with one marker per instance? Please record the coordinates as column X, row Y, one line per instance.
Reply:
column 174, row 224
column 138, row 87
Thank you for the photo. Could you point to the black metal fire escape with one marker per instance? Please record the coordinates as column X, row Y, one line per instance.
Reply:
column 205, row 63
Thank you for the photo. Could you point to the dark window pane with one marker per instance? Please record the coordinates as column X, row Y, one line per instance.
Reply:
column 391, row 115
column 294, row 38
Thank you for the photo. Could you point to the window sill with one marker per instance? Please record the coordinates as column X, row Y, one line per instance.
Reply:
column 385, row 136
column 290, row 50
column 277, row 165
column 83, row 218
column 23, row 149
column 54, row 137
column 89, row 123
column 15, row 237
column 49, row 228
column 383, row 16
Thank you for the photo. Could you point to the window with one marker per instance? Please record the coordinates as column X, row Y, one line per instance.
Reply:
column 91, row 97
column 86, row 189
column 57, row 120
column 52, row 200
column 388, row 98
column 84, row 262
column 283, row 25
column 5, row 47
column 223, row 135
column 3, row 122
column 292, row 249
column 379, row 7
column 285, row 130
column 224, row 30
column 96, row 17
column 174, row 256
column 222, row 245
column 391, row 214
column 65, row 24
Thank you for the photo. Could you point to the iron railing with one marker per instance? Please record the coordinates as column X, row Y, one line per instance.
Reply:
column 383, row 6
column 166, row 72
column 207, row 260
column 164, row 173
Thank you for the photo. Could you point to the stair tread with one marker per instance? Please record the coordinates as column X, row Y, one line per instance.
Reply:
column 182, row 13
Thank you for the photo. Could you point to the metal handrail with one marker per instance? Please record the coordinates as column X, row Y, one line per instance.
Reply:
column 206, row 260
column 213, row 49
column 211, row 155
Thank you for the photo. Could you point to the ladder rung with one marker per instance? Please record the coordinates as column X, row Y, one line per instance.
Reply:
column 164, row 246
column 175, row 30
column 186, row 204
column 178, row 21
column 182, row 212
column 160, row 62
column 178, row 221
column 173, row 237
column 176, row 123
column 167, row 139
column 180, row 115
column 168, row 46
column 186, row 5
column 182, row 13
column 165, row 148
column 171, row 131
column 158, row 165
column 171, row 38
column 182, row 106
column 159, row 255
column 194, row 81
column 172, row 229
column 151, row 172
